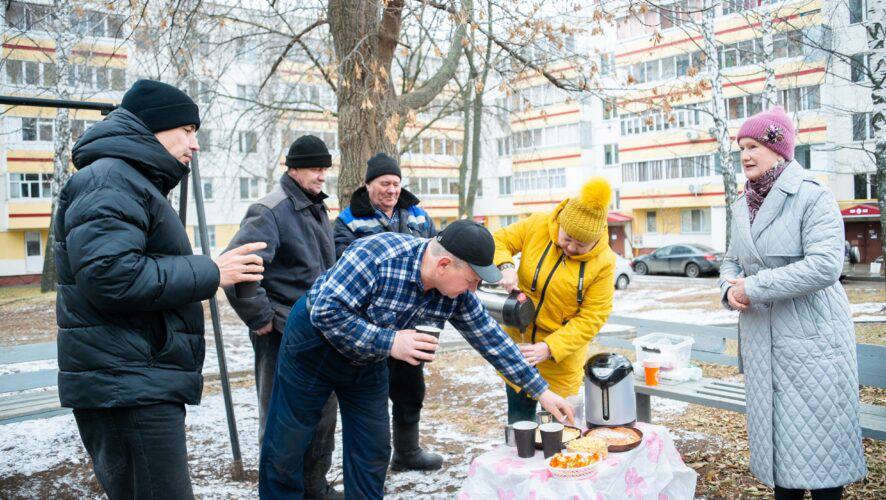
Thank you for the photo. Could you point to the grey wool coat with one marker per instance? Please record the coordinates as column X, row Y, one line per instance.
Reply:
column 797, row 339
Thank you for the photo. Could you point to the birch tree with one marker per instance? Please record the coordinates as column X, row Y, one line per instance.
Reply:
column 876, row 38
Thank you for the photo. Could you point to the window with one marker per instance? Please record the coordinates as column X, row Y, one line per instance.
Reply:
column 639, row 123
column 504, row 146
column 672, row 168
column 865, row 186
column 539, row 180
column 800, row 99
column 803, row 155
column 650, row 223
column 204, row 139
column 210, row 231
column 207, row 188
column 610, row 109
column 856, row 11
column 607, row 63
column 683, row 64
column 610, row 154
column 30, row 186
column 507, row 220
column 25, row 16
column 246, row 93
column 33, row 248
column 80, row 126
column 695, row 221
column 862, row 126
column 505, row 185
column 248, row 188
column 37, row 129
column 248, row 142
column 857, row 67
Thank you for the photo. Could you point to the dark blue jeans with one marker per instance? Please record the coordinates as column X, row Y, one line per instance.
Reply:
column 139, row 452
column 309, row 369
column 520, row 406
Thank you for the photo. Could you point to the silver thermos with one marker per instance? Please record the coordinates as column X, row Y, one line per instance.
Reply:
column 609, row 391
column 513, row 309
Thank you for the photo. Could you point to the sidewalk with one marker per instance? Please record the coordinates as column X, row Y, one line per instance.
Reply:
column 862, row 272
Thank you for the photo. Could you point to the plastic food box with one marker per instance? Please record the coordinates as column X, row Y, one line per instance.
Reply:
column 673, row 351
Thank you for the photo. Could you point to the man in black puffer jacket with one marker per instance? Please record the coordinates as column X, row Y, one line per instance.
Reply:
column 382, row 205
column 130, row 339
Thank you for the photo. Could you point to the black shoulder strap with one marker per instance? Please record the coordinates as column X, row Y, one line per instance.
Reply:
column 538, row 268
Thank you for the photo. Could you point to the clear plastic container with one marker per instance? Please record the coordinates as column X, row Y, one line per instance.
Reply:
column 672, row 351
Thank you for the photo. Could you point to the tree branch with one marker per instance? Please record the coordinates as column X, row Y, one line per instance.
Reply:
column 295, row 39
column 427, row 91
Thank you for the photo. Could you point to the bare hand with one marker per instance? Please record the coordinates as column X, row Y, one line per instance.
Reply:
column 535, row 353
column 737, row 296
column 265, row 329
column 413, row 347
column 240, row 264
column 508, row 279
column 559, row 408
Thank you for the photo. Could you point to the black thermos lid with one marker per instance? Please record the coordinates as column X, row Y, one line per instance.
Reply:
column 607, row 369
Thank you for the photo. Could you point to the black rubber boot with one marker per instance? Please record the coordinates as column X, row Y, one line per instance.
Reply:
column 407, row 453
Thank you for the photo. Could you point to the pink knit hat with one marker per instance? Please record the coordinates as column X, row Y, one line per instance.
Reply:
column 774, row 129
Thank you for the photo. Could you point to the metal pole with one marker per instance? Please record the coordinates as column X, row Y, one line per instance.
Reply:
column 104, row 107
column 216, row 324
column 183, row 201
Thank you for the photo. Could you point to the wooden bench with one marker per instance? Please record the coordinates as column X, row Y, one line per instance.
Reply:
column 709, row 346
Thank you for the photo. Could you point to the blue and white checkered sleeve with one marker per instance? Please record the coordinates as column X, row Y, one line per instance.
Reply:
column 487, row 337
column 336, row 310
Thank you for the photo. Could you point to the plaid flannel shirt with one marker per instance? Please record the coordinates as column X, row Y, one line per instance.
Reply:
column 375, row 290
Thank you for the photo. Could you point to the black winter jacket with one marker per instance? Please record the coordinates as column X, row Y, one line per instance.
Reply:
column 299, row 237
column 129, row 287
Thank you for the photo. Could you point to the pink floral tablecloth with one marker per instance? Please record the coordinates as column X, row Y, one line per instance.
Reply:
column 654, row 470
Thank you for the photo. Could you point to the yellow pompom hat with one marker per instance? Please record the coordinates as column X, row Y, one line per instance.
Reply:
column 584, row 216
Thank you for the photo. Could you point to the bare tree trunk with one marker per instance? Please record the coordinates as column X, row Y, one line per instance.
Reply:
column 477, row 134
column 369, row 111
column 770, row 92
column 876, row 33
column 467, row 92
column 65, row 38
column 718, row 110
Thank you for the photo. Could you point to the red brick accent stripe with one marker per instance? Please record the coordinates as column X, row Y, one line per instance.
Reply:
column 549, row 158
column 14, row 216
column 48, row 50
column 545, row 116
column 699, row 37
column 23, row 159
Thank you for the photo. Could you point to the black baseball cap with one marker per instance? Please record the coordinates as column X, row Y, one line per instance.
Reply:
column 472, row 243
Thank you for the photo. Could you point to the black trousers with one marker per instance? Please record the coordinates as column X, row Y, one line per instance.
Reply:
column 138, row 452
column 822, row 494
column 406, row 387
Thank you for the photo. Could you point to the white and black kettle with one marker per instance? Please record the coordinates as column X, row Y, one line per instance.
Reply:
column 609, row 391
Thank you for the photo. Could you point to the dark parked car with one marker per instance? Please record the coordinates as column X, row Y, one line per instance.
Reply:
column 689, row 259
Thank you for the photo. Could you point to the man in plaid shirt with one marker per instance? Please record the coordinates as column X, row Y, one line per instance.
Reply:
column 360, row 312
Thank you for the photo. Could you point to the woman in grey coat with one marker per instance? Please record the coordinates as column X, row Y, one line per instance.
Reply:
column 797, row 339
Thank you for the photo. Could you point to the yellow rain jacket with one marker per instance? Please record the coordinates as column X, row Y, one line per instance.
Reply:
column 563, row 323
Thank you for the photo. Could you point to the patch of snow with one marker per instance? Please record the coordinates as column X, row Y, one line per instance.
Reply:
column 29, row 366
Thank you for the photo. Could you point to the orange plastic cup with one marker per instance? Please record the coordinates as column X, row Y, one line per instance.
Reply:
column 651, row 368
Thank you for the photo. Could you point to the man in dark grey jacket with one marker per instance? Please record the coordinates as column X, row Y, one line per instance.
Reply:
column 382, row 205
column 293, row 220
column 130, row 322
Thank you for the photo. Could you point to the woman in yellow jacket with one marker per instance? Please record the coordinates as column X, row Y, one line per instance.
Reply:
column 568, row 270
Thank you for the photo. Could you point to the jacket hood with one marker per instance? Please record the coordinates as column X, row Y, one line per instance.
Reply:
column 362, row 207
column 554, row 233
column 122, row 135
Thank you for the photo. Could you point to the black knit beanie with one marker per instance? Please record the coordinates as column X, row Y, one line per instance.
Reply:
column 160, row 106
column 381, row 164
column 308, row 151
